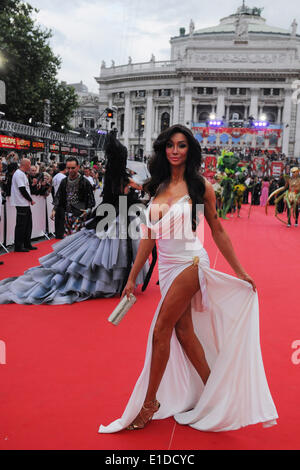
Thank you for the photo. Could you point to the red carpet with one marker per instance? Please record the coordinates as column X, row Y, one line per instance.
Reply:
column 68, row 370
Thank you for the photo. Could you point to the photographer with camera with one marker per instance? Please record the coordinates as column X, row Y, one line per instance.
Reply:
column 33, row 179
column 44, row 184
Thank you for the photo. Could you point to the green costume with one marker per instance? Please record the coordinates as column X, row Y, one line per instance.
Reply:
column 227, row 163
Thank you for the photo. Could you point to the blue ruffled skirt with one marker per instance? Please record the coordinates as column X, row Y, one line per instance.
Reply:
column 82, row 266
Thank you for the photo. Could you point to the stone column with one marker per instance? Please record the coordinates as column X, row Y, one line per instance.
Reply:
column 176, row 107
column 109, row 96
column 221, row 103
column 194, row 113
column 187, row 105
column 278, row 121
column 227, row 114
column 156, row 122
column 149, row 121
column 127, row 119
column 297, row 136
column 286, row 121
column 254, row 104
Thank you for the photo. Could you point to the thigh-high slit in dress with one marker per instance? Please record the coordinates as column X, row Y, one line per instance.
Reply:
column 226, row 321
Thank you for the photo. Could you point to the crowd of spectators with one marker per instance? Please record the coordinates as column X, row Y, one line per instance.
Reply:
column 254, row 186
column 41, row 175
column 248, row 154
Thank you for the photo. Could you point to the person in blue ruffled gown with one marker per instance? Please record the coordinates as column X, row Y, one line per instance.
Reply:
column 87, row 264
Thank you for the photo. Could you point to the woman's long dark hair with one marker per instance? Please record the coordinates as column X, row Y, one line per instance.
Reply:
column 115, row 177
column 160, row 169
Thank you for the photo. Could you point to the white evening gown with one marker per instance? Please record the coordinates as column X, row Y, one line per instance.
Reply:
column 227, row 325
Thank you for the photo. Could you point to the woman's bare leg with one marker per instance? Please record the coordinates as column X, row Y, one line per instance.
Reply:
column 176, row 302
column 186, row 336
column 175, row 305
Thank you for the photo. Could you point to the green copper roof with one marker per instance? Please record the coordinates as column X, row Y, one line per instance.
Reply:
column 256, row 24
column 252, row 28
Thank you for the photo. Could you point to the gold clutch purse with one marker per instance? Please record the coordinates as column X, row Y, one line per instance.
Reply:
column 121, row 309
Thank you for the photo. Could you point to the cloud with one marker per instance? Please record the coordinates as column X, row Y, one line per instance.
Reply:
column 85, row 32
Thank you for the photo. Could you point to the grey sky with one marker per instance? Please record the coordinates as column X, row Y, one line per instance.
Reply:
column 85, row 32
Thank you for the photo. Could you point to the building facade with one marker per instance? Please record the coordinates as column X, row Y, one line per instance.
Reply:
column 86, row 115
column 240, row 69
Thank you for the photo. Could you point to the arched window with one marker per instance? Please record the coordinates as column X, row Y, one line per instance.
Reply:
column 165, row 121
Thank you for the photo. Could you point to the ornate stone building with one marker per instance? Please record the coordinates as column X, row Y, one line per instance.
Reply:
column 238, row 69
column 87, row 114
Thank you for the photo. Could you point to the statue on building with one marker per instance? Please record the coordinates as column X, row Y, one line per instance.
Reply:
column 129, row 60
column 192, row 27
column 294, row 27
column 112, row 63
column 249, row 11
column 103, row 64
column 152, row 58
column 241, row 28
column 257, row 11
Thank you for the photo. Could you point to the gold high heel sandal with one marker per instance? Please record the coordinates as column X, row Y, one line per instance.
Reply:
column 145, row 415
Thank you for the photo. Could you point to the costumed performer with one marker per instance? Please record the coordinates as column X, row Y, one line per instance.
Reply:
column 227, row 163
column 290, row 197
column 92, row 262
column 218, row 192
column 238, row 193
column 203, row 361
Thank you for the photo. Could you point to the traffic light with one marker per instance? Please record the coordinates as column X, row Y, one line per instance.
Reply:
column 109, row 113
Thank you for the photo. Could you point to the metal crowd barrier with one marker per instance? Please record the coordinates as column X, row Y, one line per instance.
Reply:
column 42, row 225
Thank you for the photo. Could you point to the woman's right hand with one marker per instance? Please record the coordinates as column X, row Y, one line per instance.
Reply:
column 128, row 289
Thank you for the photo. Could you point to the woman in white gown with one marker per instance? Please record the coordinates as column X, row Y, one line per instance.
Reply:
column 203, row 360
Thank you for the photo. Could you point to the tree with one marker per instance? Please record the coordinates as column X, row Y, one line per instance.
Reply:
column 29, row 68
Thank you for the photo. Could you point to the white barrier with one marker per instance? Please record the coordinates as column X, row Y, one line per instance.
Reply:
column 38, row 211
column 2, row 225
column 38, row 219
column 10, row 222
column 41, row 222
column 49, row 203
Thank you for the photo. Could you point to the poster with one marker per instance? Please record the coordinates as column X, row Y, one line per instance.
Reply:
column 276, row 168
